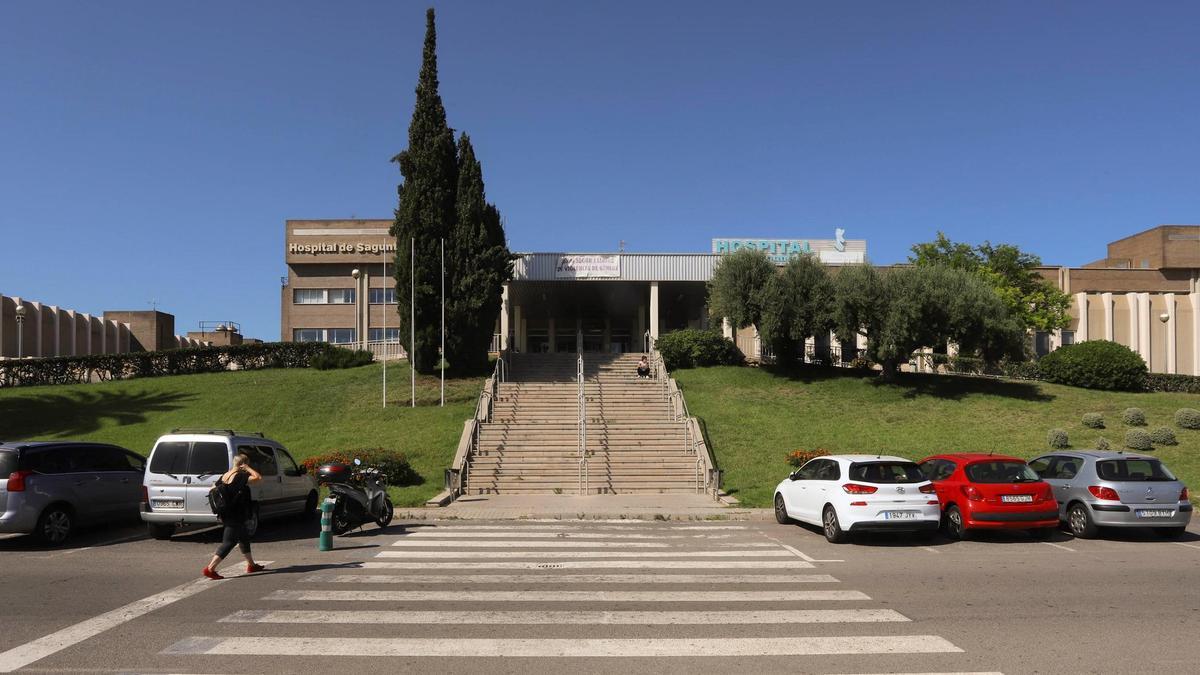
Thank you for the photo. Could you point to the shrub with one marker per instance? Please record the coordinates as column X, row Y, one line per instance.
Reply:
column 1095, row 364
column 391, row 462
column 1184, row 384
column 1103, row 444
column 1057, row 439
column 1163, row 436
column 798, row 458
column 1138, row 439
column 692, row 348
column 1093, row 420
column 1134, row 417
column 861, row 363
column 337, row 358
column 1187, row 418
column 967, row 365
column 1021, row 370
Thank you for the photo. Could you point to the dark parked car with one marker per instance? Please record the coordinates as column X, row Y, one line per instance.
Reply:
column 48, row 489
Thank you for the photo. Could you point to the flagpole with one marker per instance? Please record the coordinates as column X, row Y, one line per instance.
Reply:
column 442, row 365
column 412, row 321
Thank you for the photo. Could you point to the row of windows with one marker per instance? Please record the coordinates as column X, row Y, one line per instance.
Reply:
column 341, row 336
column 341, row 296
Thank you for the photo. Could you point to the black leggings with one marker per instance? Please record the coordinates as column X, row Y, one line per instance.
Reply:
column 235, row 533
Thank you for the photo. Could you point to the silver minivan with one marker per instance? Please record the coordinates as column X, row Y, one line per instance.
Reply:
column 184, row 465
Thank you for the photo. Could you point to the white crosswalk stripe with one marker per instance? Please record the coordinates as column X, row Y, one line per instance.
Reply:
column 518, row 578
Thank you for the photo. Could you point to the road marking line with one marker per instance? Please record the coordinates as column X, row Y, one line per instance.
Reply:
column 516, row 648
column 429, row 543
column 585, row 554
column 798, row 553
column 518, row 534
column 571, row 596
column 578, row 528
column 1047, row 543
column 569, row 579
column 953, row 673
column 567, row 618
column 30, row 652
column 1180, row 543
column 930, row 549
column 793, row 563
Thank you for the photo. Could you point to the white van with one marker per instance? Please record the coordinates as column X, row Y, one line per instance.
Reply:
column 184, row 465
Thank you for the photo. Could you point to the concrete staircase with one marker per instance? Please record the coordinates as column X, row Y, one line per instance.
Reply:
column 530, row 445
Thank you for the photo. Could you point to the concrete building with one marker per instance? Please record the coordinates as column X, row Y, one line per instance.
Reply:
column 1144, row 294
column 34, row 329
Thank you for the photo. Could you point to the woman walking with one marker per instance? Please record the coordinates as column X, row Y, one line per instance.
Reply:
column 234, row 516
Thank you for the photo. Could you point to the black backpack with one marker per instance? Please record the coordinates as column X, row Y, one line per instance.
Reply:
column 223, row 498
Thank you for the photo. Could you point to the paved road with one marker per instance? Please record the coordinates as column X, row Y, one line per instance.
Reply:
column 611, row 597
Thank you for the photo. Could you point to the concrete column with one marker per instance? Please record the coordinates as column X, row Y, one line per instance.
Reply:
column 726, row 328
column 1107, row 300
column 553, row 337
column 1194, row 299
column 1134, row 314
column 1081, row 333
column 103, row 325
column 504, row 318
column 123, row 337
column 33, row 315
column 653, row 311
column 1171, row 327
column 1143, row 323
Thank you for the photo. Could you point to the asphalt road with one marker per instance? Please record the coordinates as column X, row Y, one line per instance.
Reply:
column 602, row 597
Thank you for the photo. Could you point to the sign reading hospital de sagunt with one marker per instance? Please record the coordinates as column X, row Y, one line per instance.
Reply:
column 780, row 251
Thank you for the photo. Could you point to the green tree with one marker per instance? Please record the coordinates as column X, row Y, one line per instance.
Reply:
column 481, row 263
column 795, row 306
column 426, row 212
column 1034, row 302
column 736, row 289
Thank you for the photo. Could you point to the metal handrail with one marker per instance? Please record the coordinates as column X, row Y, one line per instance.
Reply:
column 581, row 427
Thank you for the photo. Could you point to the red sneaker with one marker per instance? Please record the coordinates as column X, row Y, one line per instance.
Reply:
column 251, row 569
column 212, row 574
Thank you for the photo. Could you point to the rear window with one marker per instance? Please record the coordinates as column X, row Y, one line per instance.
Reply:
column 206, row 458
column 8, row 463
column 1118, row 470
column 209, row 458
column 887, row 472
column 1001, row 472
column 170, row 457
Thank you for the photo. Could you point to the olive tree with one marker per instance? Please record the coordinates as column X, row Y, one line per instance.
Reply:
column 795, row 306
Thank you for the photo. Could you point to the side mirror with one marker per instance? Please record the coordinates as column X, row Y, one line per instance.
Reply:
column 795, row 475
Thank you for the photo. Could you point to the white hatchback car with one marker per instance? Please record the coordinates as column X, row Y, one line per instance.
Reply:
column 858, row 493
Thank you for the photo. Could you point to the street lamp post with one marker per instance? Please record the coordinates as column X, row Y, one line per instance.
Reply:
column 20, row 331
column 357, row 312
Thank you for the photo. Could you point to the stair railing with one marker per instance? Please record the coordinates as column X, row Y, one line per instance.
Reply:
column 581, row 427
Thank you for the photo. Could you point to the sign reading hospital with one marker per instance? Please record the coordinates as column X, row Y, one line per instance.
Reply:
column 588, row 267
column 780, row 251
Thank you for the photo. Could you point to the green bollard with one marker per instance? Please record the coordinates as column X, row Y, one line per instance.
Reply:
column 325, row 542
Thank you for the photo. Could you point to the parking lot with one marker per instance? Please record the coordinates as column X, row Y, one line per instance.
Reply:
column 677, row 596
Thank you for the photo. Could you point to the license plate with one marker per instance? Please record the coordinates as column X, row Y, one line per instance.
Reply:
column 899, row 515
column 168, row 503
column 1155, row 513
column 1016, row 499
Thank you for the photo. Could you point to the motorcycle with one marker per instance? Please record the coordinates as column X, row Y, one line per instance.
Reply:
column 359, row 494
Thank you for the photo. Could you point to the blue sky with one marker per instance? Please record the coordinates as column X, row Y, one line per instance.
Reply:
column 152, row 151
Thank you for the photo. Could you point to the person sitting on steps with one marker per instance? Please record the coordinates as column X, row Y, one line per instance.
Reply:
column 643, row 368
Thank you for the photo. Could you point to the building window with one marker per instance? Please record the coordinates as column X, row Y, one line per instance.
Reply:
column 1041, row 343
column 309, row 296
column 380, row 296
column 341, row 296
column 1068, row 337
column 389, row 335
column 337, row 336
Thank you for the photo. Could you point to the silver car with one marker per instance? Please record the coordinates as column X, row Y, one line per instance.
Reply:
column 50, row 488
column 1113, row 489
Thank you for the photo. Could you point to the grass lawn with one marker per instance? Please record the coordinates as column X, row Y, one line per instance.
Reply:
column 754, row 416
column 309, row 411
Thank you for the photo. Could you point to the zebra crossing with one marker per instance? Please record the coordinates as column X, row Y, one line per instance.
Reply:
column 512, row 591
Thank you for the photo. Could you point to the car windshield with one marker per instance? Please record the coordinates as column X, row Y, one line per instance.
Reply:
column 1001, row 471
column 8, row 463
column 1140, row 470
column 886, row 472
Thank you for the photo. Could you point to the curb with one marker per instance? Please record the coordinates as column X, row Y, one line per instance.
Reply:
column 441, row 513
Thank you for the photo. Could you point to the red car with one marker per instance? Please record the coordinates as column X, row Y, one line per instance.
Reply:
column 990, row 492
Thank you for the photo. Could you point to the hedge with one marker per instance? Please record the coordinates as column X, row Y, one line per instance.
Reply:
column 392, row 463
column 692, row 348
column 1095, row 364
column 104, row 367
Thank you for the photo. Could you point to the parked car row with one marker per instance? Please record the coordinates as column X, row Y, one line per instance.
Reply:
column 52, row 488
column 966, row 493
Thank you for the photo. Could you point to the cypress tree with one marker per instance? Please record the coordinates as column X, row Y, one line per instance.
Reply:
column 426, row 211
column 479, row 256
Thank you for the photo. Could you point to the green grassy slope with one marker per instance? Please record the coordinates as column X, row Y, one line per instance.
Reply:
column 754, row 417
column 309, row 411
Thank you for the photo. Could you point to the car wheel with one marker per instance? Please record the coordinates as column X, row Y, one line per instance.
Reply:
column 1042, row 533
column 1080, row 521
column 953, row 524
column 1170, row 532
column 160, row 531
column 388, row 511
column 310, row 507
column 781, row 514
column 252, row 522
column 834, row 533
column 54, row 526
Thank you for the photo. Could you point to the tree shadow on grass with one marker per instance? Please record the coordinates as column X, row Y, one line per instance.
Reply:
column 913, row 385
column 78, row 413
